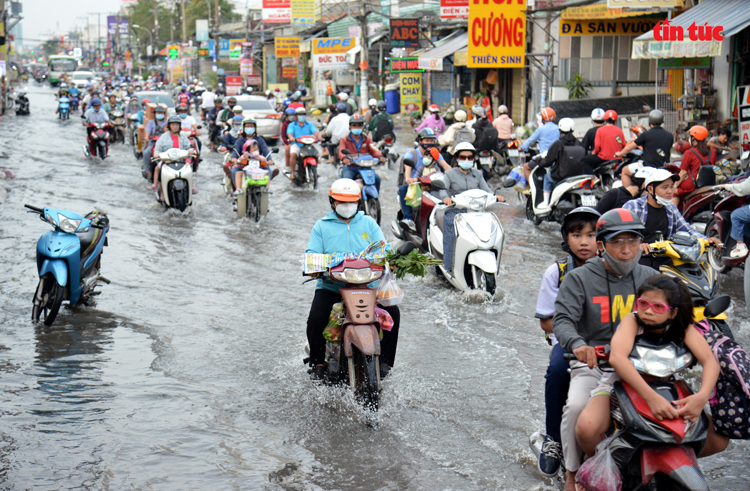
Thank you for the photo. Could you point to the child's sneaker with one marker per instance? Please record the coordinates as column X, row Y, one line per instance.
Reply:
column 740, row 250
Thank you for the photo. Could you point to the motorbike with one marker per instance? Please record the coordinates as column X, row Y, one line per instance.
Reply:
column 132, row 135
column 478, row 245
column 68, row 260
column 719, row 226
column 697, row 207
column 98, row 143
column 363, row 165
column 118, row 125
column 385, row 145
column 63, row 108
column 21, row 103
column 253, row 202
column 176, row 179
column 307, row 162
column 505, row 158
column 74, row 102
column 190, row 134
column 422, row 214
column 567, row 194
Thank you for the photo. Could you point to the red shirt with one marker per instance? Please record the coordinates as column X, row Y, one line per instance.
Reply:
column 691, row 164
column 175, row 141
column 284, row 127
column 609, row 140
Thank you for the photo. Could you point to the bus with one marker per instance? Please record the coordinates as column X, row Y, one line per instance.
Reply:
column 59, row 64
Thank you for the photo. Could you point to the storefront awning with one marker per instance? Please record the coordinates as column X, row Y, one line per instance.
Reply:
column 433, row 59
column 732, row 15
column 600, row 10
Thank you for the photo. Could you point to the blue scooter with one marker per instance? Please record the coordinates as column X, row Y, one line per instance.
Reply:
column 63, row 108
column 68, row 259
column 362, row 164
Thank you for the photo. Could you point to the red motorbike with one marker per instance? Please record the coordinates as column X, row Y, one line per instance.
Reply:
column 719, row 226
column 98, row 140
column 421, row 215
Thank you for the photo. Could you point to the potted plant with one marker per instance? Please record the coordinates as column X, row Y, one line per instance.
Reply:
column 578, row 87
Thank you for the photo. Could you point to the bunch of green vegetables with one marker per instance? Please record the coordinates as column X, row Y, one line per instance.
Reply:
column 413, row 263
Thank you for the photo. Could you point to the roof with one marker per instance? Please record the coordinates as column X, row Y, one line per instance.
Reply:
column 732, row 15
column 455, row 43
column 440, row 43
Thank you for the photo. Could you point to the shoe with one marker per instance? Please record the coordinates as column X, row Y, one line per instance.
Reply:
column 318, row 373
column 410, row 223
column 237, row 193
column 549, row 459
column 740, row 250
column 274, row 173
column 152, row 187
column 195, row 190
column 385, row 370
column 509, row 182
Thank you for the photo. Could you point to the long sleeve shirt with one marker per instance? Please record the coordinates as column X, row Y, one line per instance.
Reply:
column 639, row 208
column 92, row 116
column 165, row 142
column 545, row 136
column 456, row 182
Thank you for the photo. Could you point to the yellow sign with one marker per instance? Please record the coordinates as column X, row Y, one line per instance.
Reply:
column 411, row 92
column 497, row 33
column 235, row 44
column 461, row 58
column 287, row 47
column 644, row 4
column 324, row 46
column 609, row 27
column 305, row 11
column 596, row 11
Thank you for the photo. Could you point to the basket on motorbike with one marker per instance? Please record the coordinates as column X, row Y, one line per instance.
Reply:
column 256, row 176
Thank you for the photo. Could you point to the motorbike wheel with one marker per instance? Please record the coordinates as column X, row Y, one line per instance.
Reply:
column 256, row 205
column 51, row 289
column 102, row 151
column 715, row 258
column 480, row 280
column 530, row 212
column 368, row 392
column 312, row 176
column 373, row 208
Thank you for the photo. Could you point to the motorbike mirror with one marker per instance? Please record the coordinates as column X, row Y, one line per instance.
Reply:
column 437, row 184
column 199, row 126
column 405, row 248
column 716, row 306
column 346, row 152
column 409, row 162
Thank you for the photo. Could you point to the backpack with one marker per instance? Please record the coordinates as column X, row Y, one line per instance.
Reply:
column 382, row 127
column 731, row 404
column 706, row 174
column 463, row 135
column 402, row 171
column 184, row 99
column 569, row 164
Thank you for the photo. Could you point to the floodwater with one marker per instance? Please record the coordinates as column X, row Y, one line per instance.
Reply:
column 188, row 374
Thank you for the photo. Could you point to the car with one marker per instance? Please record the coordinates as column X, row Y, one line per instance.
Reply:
column 80, row 78
column 157, row 97
column 262, row 110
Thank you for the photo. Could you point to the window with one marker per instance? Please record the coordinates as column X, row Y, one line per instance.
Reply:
column 63, row 65
column 601, row 59
column 256, row 105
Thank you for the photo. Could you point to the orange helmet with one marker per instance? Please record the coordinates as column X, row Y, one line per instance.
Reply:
column 637, row 130
column 699, row 132
column 548, row 114
column 610, row 114
column 345, row 190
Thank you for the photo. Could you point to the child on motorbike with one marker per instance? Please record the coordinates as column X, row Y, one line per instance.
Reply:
column 664, row 309
column 579, row 241
column 251, row 152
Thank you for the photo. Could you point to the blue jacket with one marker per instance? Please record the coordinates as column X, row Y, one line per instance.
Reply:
column 545, row 135
column 331, row 234
column 262, row 147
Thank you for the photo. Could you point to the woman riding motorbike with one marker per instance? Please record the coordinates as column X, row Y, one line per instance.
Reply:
column 172, row 139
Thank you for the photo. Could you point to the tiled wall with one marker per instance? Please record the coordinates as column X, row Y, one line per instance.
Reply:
column 593, row 57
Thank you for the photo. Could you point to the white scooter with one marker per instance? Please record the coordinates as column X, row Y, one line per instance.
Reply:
column 478, row 245
column 176, row 179
column 567, row 194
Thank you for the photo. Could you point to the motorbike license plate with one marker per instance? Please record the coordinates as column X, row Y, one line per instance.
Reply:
column 512, row 152
column 485, row 160
column 588, row 200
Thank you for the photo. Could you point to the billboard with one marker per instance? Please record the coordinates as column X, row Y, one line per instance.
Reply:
column 405, row 33
column 497, row 35
column 305, row 12
column 328, row 53
column 286, row 47
column 201, row 30
column 112, row 23
column 277, row 11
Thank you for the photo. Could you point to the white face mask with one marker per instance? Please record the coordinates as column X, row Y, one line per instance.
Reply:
column 662, row 201
column 466, row 164
column 346, row 210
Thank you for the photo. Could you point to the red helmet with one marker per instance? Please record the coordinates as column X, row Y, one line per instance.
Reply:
column 434, row 108
column 548, row 114
column 610, row 114
column 699, row 132
column 146, row 101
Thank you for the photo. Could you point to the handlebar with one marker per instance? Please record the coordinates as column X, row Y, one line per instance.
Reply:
column 569, row 357
column 34, row 209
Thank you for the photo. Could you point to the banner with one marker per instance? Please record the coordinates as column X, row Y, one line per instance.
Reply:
column 255, row 78
column 112, row 22
column 330, row 53
column 234, row 85
column 246, row 59
column 277, row 11
column 305, row 12
column 287, row 47
column 411, row 92
column 454, row 9
column 201, row 30
column 644, row 4
column 289, row 72
column 405, row 65
column 497, row 34
column 405, row 33
column 743, row 113
column 607, row 27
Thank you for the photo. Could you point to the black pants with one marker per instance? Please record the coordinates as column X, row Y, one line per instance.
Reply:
column 318, row 320
column 592, row 161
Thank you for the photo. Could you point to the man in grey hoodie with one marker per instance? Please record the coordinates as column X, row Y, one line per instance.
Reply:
column 590, row 304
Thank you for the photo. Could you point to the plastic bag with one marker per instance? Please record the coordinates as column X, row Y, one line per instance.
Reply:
column 414, row 195
column 600, row 473
column 384, row 318
column 389, row 293
column 332, row 332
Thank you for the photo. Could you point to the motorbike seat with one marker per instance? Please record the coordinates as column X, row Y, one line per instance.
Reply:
column 440, row 217
column 572, row 179
column 88, row 240
column 704, row 189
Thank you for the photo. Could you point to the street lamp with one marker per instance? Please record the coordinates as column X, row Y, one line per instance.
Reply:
column 150, row 37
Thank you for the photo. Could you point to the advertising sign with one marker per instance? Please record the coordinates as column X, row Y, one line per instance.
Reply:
column 405, row 33
column 224, row 48
column 329, row 53
column 289, row 72
column 497, row 34
column 608, row 27
column 681, row 63
column 287, row 47
column 277, row 11
column 404, row 65
column 112, row 22
column 411, row 92
column 644, row 4
column 256, row 78
column 454, row 9
column 305, row 12
column 201, row 30
column 234, row 85
column 246, row 59
column 743, row 113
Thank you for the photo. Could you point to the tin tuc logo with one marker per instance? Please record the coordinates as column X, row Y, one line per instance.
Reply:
column 663, row 31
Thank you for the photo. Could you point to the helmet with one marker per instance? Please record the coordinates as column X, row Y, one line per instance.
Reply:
column 582, row 212
column 372, row 103
column 617, row 221
column 656, row 117
column 219, row 100
column 637, row 130
column 146, row 101
column 434, row 108
column 237, row 109
column 96, row 101
column 160, row 109
column 478, row 111
column 302, row 90
column 597, row 115
column 268, row 92
column 356, row 119
column 641, row 174
column 248, row 90
column 182, row 107
column 295, row 97
column 381, row 106
column 341, row 107
column 174, row 119
column 460, row 115
column 300, row 110
column 290, row 112
column 289, row 93
column 566, row 125
column 345, row 190
column 133, row 98
column 276, row 89
column 503, row 109
column 464, row 146
column 232, row 101
column 658, row 176
column 610, row 115
column 425, row 133
column 249, row 120
column 699, row 132
column 343, row 96
column 548, row 114
column 63, row 85
column 237, row 119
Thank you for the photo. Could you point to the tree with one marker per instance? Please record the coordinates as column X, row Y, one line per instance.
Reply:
column 578, row 87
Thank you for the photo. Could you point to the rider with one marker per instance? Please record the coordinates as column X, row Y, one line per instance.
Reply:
column 656, row 143
column 154, row 129
column 132, row 108
column 208, row 98
column 290, row 116
column 503, row 124
column 214, row 134
column 608, row 141
column 589, row 139
column 250, row 132
column 485, row 133
column 699, row 154
column 344, row 97
column 111, row 104
column 448, row 138
column 227, row 113
column 545, row 135
column 579, row 242
column 381, row 124
column 95, row 114
column 343, row 230
column 591, row 301
column 357, row 144
column 337, row 128
column 372, row 111
column 250, row 150
column 302, row 127
column 433, row 121
column 189, row 123
column 617, row 197
column 719, row 142
column 231, row 137
column 172, row 139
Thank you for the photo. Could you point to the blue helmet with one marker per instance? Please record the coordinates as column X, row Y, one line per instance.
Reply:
column 341, row 107
column 96, row 101
column 237, row 119
column 290, row 112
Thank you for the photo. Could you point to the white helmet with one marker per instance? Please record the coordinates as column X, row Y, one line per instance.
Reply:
column 460, row 115
column 658, row 176
column 372, row 103
column 503, row 109
column 343, row 96
column 237, row 109
column 597, row 115
column 463, row 146
column 644, row 172
column 63, row 85
column 345, row 190
column 566, row 125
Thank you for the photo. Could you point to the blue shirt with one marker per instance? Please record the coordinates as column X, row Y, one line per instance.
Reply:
column 296, row 130
column 92, row 116
column 545, row 135
column 419, row 162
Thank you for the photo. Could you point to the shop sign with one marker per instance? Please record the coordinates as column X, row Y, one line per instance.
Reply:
column 301, row 72
column 305, row 12
column 287, row 47
column 743, row 113
column 607, row 27
column 644, row 4
column 201, row 29
column 497, row 34
column 203, row 52
column 289, row 72
column 403, row 65
column 680, row 63
column 329, row 53
column 277, row 11
column 596, row 11
column 234, row 85
column 224, row 48
column 454, row 9
column 461, row 58
column 411, row 92
column 255, row 78
column 435, row 64
column 675, row 49
column 405, row 33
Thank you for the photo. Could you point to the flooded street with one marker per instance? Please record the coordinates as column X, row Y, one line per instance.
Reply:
column 188, row 374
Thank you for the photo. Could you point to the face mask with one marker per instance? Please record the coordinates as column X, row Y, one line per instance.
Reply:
column 652, row 327
column 183, row 115
column 346, row 210
column 249, row 131
column 621, row 268
column 292, row 118
column 466, row 164
column 660, row 200
column 356, row 131
column 301, row 118
column 159, row 117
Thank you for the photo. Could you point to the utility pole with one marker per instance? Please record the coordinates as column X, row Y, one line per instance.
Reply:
column 184, row 22
column 155, row 49
column 364, row 89
column 548, row 53
column 99, row 37
column 217, row 14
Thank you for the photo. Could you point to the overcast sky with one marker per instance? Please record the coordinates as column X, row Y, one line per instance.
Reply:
column 41, row 18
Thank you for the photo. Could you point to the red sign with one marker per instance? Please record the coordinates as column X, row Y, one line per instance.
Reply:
column 405, row 33
column 234, row 85
column 289, row 72
column 277, row 11
column 664, row 32
column 454, row 9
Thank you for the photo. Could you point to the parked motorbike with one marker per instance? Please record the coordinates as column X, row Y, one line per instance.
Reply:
column 418, row 237
column 68, row 260
column 21, row 103
column 567, row 194
column 719, row 226
column 363, row 164
column 176, row 179
column 117, row 120
column 307, row 162
column 63, row 108
column 98, row 140
column 697, row 207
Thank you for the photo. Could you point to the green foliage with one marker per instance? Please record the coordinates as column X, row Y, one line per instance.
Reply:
column 413, row 263
column 578, row 87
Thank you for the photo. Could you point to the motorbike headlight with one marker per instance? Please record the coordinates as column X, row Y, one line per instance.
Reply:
column 50, row 220
column 689, row 253
column 68, row 225
column 655, row 362
column 357, row 276
column 477, row 204
column 683, row 361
